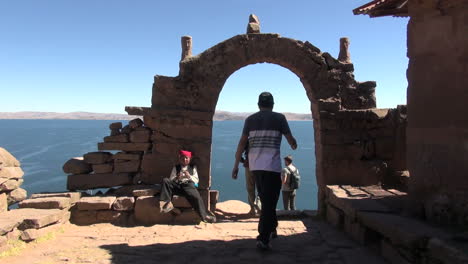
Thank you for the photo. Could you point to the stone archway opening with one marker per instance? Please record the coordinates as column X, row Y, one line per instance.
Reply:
column 242, row 88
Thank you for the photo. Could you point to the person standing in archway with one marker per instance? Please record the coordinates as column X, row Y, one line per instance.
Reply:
column 254, row 200
column 289, row 192
column 264, row 130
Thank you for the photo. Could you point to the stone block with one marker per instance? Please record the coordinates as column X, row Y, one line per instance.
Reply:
column 3, row 202
column 83, row 217
column 187, row 217
column 11, row 173
column 135, row 123
column 155, row 167
column 109, row 216
column 8, row 224
column 46, row 203
column 95, row 203
column 147, row 191
column 16, row 196
column 334, row 216
column 124, row 204
column 391, row 254
column 3, row 243
column 120, row 138
column 92, row 181
column 150, row 122
column 442, row 252
column 127, row 166
column 180, row 201
column 14, row 234
column 124, row 146
column 355, row 230
column 128, row 189
column 400, row 231
column 74, row 196
column 42, row 218
column 103, row 168
column 126, row 156
column 33, row 234
column 116, row 125
column 97, row 157
column 8, row 160
column 76, row 166
column 140, row 136
column 147, row 212
column 10, row 184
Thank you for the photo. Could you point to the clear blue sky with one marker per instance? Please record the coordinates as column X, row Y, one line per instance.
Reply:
column 101, row 55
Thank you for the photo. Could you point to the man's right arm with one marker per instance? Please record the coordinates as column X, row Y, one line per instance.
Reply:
column 291, row 140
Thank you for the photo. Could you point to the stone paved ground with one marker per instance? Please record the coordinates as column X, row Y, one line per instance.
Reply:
column 231, row 240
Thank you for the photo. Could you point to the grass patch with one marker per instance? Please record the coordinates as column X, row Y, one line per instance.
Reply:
column 16, row 246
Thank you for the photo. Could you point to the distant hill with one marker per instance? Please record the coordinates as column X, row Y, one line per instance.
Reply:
column 219, row 116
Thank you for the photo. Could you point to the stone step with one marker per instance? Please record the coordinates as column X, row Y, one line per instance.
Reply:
column 46, row 203
column 74, row 196
column 95, row 203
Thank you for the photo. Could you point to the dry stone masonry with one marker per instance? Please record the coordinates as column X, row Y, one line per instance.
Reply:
column 11, row 178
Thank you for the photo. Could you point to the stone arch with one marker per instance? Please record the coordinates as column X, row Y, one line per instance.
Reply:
column 182, row 110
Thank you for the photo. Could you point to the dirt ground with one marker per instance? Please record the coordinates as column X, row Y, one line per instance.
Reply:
column 230, row 240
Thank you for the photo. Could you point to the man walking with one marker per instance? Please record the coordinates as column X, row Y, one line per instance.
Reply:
column 263, row 130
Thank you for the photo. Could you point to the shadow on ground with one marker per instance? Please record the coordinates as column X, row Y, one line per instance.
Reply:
column 320, row 243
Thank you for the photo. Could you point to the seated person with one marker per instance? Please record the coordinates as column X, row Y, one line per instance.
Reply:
column 183, row 181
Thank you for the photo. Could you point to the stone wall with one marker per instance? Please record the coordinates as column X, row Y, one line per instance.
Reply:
column 437, row 139
column 11, row 178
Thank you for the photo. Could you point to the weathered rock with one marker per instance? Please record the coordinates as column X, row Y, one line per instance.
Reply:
column 109, row 216
column 93, row 181
column 122, row 138
column 11, row 173
column 186, row 42
column 124, row 146
column 3, row 202
column 124, row 204
column 97, row 157
column 127, row 166
column 140, row 136
column 46, row 203
column 147, row 211
column 344, row 55
column 8, row 160
column 95, row 203
column 126, row 130
column 7, row 224
column 10, row 184
column 33, row 234
column 116, row 125
column 254, row 24
column 187, row 217
column 3, row 242
column 134, row 123
column 152, row 191
column 14, row 234
column 42, row 218
column 83, row 217
column 16, row 195
column 74, row 196
column 76, row 166
column 126, row 156
column 103, row 168
column 128, row 189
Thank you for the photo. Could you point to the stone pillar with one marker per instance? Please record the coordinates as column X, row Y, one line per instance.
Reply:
column 186, row 47
column 344, row 55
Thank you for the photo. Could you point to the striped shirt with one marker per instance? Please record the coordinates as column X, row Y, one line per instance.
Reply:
column 264, row 130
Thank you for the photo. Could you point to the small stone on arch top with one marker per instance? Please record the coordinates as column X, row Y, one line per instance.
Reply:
column 254, row 24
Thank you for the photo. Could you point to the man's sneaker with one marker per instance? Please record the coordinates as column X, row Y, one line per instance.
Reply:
column 167, row 207
column 263, row 245
column 209, row 219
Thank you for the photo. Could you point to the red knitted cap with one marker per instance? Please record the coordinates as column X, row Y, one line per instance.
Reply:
column 185, row 153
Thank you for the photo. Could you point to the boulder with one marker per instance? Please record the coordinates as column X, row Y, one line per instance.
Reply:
column 11, row 172
column 16, row 195
column 137, row 122
column 124, row 204
column 7, row 160
column 147, row 212
column 116, row 125
column 10, row 184
column 76, row 166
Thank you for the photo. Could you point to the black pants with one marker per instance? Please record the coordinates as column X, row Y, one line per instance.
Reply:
column 289, row 198
column 268, row 187
column 188, row 190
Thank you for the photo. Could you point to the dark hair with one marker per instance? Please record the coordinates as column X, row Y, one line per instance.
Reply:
column 289, row 158
column 265, row 99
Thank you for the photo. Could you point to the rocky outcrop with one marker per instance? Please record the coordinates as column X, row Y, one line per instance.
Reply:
column 11, row 178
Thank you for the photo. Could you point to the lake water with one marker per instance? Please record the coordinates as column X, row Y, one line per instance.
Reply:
column 43, row 146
